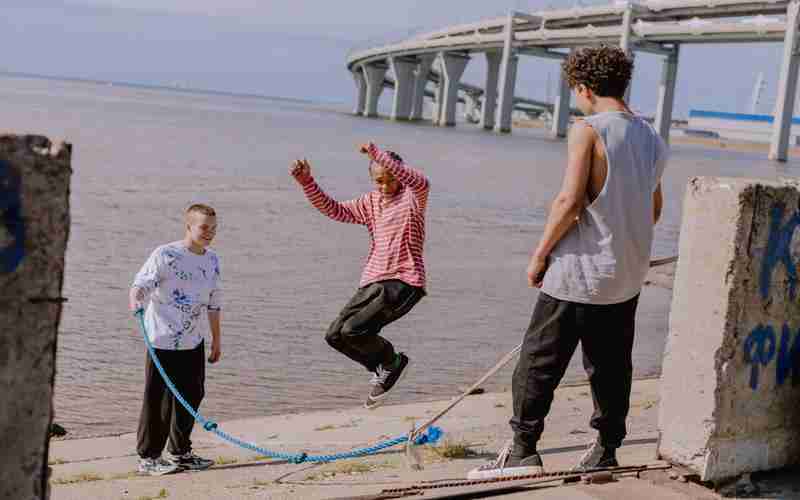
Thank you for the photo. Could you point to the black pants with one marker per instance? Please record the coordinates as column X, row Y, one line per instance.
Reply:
column 355, row 332
column 606, row 335
column 162, row 416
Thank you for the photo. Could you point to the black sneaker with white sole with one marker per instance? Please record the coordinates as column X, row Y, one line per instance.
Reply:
column 512, row 461
column 597, row 457
column 385, row 379
column 189, row 461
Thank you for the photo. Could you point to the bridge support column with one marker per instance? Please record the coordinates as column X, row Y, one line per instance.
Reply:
column 508, row 79
column 361, row 90
column 403, row 70
column 421, row 75
column 561, row 108
column 438, row 93
column 787, row 87
column 374, row 75
column 488, row 112
column 666, row 94
column 453, row 66
column 625, row 42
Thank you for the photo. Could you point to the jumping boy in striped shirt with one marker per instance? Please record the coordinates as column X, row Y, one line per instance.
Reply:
column 393, row 280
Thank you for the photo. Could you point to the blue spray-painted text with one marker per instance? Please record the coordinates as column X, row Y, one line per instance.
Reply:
column 762, row 346
column 11, row 219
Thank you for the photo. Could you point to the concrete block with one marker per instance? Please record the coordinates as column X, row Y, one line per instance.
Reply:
column 34, row 227
column 730, row 385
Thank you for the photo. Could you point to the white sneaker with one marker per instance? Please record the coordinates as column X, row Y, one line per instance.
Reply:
column 156, row 467
column 508, row 464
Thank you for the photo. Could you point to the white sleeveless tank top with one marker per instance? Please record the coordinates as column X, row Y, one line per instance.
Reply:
column 604, row 258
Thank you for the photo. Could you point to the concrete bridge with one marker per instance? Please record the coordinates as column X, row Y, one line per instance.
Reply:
column 658, row 26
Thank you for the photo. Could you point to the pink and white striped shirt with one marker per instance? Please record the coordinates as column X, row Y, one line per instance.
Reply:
column 396, row 224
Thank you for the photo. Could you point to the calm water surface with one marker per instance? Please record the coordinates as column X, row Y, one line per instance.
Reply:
column 140, row 156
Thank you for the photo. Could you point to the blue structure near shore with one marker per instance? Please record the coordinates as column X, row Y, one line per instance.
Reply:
column 740, row 126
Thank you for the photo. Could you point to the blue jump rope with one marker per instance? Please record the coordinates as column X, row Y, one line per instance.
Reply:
column 431, row 435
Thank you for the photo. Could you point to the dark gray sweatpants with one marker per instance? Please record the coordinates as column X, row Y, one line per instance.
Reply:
column 606, row 335
column 162, row 416
column 354, row 332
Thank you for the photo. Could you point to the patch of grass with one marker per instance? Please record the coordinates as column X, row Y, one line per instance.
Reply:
column 256, row 484
column 124, row 475
column 225, row 460
column 78, row 478
column 161, row 494
column 453, row 450
column 347, row 469
column 354, row 468
column 325, row 427
column 56, row 461
column 410, row 419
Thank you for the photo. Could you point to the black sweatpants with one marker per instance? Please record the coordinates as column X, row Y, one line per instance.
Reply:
column 162, row 416
column 354, row 332
column 606, row 335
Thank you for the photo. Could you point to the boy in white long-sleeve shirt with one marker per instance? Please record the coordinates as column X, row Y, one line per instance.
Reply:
column 179, row 284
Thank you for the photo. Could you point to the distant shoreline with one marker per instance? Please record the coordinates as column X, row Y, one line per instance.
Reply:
column 720, row 143
column 146, row 86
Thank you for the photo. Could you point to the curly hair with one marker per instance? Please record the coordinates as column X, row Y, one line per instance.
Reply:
column 605, row 70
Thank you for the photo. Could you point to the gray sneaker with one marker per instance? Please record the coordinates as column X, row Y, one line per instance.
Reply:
column 384, row 380
column 597, row 457
column 189, row 461
column 511, row 462
column 156, row 467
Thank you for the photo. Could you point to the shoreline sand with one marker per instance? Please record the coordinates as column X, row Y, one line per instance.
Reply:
column 103, row 468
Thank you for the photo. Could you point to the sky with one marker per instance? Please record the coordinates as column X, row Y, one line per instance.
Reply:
column 297, row 48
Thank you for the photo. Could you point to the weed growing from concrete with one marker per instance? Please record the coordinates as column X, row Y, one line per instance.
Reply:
column 225, row 460
column 78, row 478
column 161, row 494
column 453, row 450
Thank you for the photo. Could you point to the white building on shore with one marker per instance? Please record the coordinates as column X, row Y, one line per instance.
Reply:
column 740, row 126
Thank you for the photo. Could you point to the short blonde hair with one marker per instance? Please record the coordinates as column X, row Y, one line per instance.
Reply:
column 200, row 208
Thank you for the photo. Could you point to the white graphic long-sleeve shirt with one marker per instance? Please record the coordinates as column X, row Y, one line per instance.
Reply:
column 182, row 287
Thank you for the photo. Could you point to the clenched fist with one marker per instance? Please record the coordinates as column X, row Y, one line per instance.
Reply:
column 301, row 171
column 364, row 149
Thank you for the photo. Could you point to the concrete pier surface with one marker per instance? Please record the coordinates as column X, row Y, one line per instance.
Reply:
column 103, row 468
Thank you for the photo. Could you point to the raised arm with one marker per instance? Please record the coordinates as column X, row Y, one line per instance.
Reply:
column 351, row 212
column 407, row 176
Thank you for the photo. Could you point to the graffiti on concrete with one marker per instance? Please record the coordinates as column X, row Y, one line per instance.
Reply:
column 762, row 347
column 12, row 245
column 779, row 250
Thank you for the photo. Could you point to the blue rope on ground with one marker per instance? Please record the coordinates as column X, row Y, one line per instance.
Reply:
column 431, row 436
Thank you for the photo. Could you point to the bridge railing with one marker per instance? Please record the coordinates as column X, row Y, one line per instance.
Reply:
column 658, row 9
